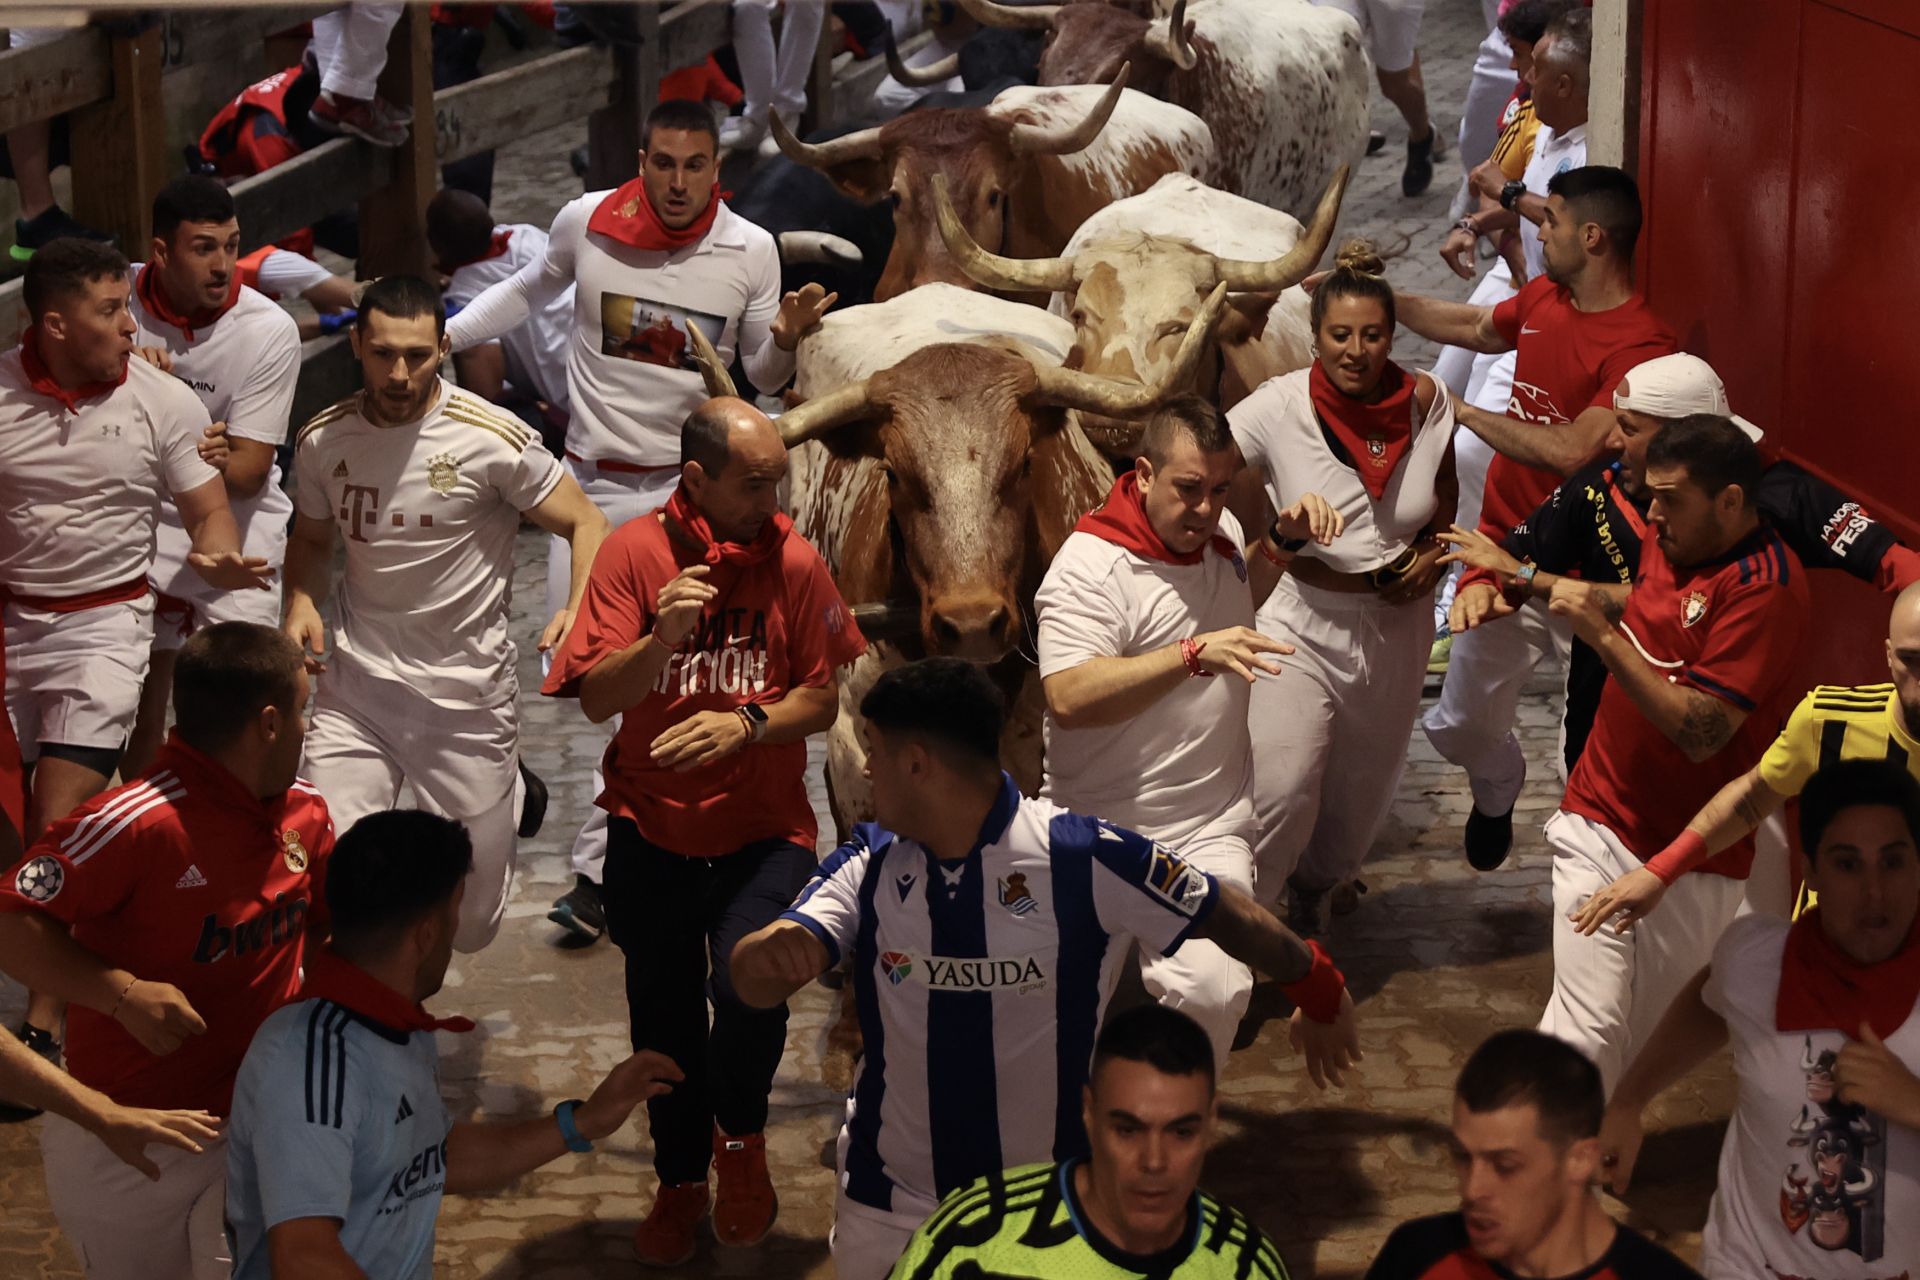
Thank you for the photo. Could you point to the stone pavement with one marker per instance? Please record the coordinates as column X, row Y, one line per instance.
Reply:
column 1437, row 956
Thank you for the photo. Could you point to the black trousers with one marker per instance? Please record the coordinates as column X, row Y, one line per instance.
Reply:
column 676, row 919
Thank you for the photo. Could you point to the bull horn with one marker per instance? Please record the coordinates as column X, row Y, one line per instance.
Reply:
column 1290, row 268
column 934, row 73
column 1016, row 275
column 811, row 419
column 712, row 372
column 818, row 248
column 1036, row 140
column 1030, row 17
column 1171, row 44
column 863, row 145
column 1110, row 397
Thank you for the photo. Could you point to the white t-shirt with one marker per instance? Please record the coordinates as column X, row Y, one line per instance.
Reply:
column 631, row 380
column 536, row 350
column 427, row 512
column 80, row 491
column 1808, row 1186
column 1277, row 429
column 1185, row 764
column 244, row 367
column 285, row 274
column 1552, row 153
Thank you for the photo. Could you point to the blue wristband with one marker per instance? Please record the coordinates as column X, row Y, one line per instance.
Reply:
column 569, row 1132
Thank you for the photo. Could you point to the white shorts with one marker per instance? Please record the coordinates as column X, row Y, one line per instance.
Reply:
column 1392, row 28
column 178, row 616
column 866, row 1242
column 74, row 678
column 123, row 1227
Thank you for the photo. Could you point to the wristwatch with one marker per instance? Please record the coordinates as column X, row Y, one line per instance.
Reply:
column 1287, row 545
column 1511, row 193
column 755, row 717
column 1519, row 588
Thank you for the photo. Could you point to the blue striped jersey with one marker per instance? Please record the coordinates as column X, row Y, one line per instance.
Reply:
column 980, row 984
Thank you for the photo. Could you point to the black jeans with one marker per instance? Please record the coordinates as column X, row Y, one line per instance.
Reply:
column 677, row 919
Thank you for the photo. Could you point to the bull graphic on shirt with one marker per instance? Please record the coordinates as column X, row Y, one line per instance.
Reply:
column 652, row 332
column 1839, row 1196
column 1533, row 404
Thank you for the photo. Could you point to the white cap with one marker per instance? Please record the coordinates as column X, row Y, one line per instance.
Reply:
column 1677, row 386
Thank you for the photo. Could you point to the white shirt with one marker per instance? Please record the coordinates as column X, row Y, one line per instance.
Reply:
column 629, row 407
column 1185, row 764
column 536, row 350
column 981, row 984
column 244, row 367
column 427, row 512
column 1277, row 429
column 1807, row 1186
column 1552, row 153
column 284, row 274
column 80, row 491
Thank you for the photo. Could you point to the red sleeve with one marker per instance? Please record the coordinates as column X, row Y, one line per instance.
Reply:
column 1510, row 314
column 1751, row 648
column 612, row 616
column 821, row 632
column 85, row 866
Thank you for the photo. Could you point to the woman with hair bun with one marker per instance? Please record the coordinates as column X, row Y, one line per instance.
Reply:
column 1376, row 440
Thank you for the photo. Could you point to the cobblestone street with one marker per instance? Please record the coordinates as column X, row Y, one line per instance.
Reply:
column 1437, row 957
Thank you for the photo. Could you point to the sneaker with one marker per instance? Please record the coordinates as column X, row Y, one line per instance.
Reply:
column 665, row 1238
column 738, row 133
column 1375, row 141
column 533, row 805
column 52, row 224
column 42, row 1043
column 1438, row 655
column 1418, row 175
column 1489, row 837
column 350, row 116
column 744, row 1204
column 1304, row 905
column 580, row 910
column 392, row 111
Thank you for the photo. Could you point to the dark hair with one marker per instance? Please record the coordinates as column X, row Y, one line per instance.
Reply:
column 388, row 872
column 1713, row 451
column 459, row 227
column 1848, row 784
column 946, row 702
column 1521, row 1068
column 1358, row 272
column 1191, row 415
column 403, row 298
column 226, row 675
column 1602, row 194
column 680, row 113
column 1528, row 20
column 1571, row 35
column 191, row 197
column 705, row 436
column 62, row 268
column 1164, row 1038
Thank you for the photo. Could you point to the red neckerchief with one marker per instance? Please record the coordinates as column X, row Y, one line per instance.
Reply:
column 351, row 987
column 44, row 382
column 154, row 299
column 1821, row 989
column 495, row 249
column 1122, row 520
column 694, row 526
column 629, row 217
column 1376, row 433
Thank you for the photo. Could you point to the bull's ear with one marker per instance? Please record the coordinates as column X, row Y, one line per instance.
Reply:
column 1065, row 463
column 855, row 440
column 1245, row 318
column 862, row 179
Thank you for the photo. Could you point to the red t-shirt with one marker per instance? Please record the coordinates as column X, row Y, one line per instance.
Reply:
column 183, row 876
column 1730, row 628
column 775, row 625
column 1566, row 361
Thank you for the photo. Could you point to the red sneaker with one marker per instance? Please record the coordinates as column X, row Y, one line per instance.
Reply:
column 350, row 115
column 744, row 1204
column 665, row 1238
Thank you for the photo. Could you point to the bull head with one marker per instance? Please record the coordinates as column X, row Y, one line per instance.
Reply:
column 1088, row 43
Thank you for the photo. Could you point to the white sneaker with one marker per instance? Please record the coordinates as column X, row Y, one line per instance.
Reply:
column 738, row 133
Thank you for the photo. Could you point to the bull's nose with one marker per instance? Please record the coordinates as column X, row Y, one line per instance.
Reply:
column 979, row 629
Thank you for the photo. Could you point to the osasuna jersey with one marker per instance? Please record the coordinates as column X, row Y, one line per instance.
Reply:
column 980, row 985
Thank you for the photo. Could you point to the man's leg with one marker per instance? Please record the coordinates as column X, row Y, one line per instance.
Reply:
column 357, row 43
column 123, row 1227
column 1395, row 43
column 1487, row 92
column 1290, row 721
column 462, row 764
column 1674, row 944
column 1593, row 977
column 754, row 48
column 1200, row 979
column 347, row 760
column 800, row 22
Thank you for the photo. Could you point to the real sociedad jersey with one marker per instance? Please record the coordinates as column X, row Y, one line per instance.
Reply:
column 980, row 985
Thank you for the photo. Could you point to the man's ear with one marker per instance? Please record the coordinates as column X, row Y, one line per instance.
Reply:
column 1143, row 472
column 694, row 476
column 157, row 252
column 446, row 345
column 1583, row 1161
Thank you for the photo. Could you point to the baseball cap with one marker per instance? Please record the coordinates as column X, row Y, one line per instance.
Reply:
column 1676, row 386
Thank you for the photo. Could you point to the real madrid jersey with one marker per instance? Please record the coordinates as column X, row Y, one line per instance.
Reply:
column 980, row 985
column 427, row 512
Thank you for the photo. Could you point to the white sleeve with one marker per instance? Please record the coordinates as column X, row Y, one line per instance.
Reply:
column 505, row 306
column 260, row 408
column 309, row 485
column 767, row 366
column 1252, row 423
column 829, row 906
column 525, row 477
column 179, row 421
column 1082, row 614
column 284, row 274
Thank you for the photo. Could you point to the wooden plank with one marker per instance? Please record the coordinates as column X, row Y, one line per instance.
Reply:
column 690, row 31
column 13, row 312
column 613, row 132
column 497, row 109
column 393, row 219
column 54, row 78
column 120, row 145
column 192, row 37
column 331, row 177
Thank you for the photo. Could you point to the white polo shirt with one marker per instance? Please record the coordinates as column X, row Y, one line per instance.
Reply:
column 244, row 368
column 536, row 350
column 83, row 488
column 631, row 380
column 1183, row 767
column 427, row 512
column 1552, row 153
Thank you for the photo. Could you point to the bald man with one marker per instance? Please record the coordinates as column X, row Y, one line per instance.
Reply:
column 714, row 632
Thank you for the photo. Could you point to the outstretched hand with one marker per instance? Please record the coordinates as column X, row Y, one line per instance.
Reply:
column 799, row 312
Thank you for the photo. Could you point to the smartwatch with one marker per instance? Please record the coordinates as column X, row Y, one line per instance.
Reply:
column 755, row 716
column 570, row 1132
column 1511, row 193
column 1519, row 588
column 1286, row 545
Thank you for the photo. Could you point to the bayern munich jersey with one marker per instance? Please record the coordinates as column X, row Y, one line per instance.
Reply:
column 980, row 985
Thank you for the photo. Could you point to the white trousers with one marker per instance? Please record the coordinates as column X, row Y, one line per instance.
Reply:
column 773, row 77
column 1492, row 84
column 373, row 738
column 74, row 678
column 866, row 1242
column 123, row 1227
column 1330, row 732
column 1200, row 979
column 351, row 45
column 1472, row 723
column 621, row 496
column 1457, row 366
column 1611, row 990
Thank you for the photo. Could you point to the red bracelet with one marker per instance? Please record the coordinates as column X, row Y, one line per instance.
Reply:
column 1688, row 850
column 1274, row 556
column 1190, row 651
column 1318, row 994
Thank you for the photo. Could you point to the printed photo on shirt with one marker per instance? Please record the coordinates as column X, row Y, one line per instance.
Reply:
column 1835, row 1184
column 652, row 332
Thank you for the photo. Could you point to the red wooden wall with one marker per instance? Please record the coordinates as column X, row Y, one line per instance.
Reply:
column 1780, row 162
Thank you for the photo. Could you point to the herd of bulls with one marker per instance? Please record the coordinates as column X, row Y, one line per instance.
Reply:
column 1045, row 264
